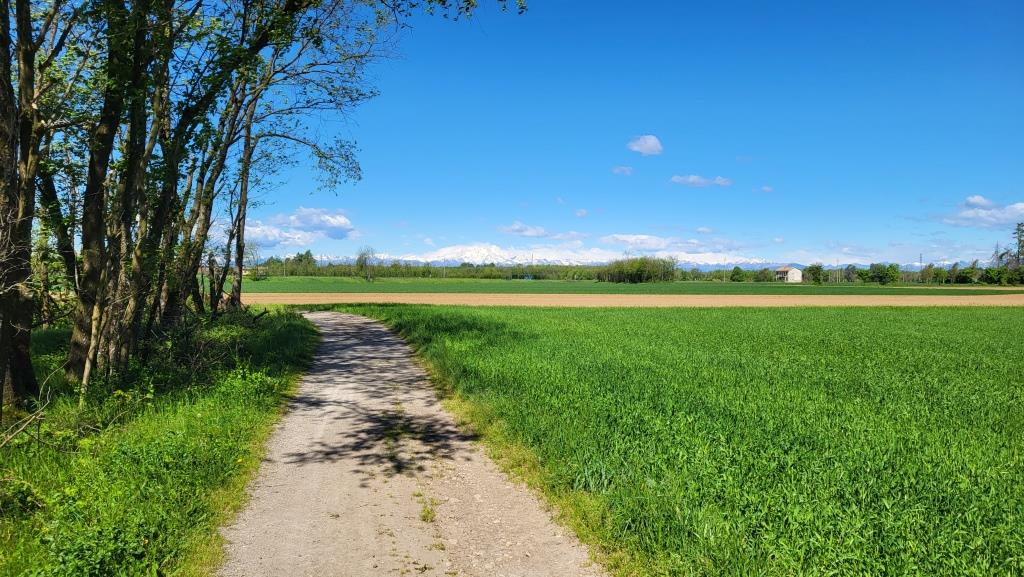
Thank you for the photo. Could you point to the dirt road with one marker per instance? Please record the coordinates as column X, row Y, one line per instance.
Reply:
column 621, row 300
column 366, row 475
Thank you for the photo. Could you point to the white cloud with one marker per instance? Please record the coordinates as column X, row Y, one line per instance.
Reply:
column 571, row 235
column 622, row 170
column 301, row 228
column 778, row 240
column 639, row 241
column 331, row 223
column 647, row 145
column 559, row 200
column 690, row 180
column 581, row 212
column 697, row 180
column 520, row 229
column 267, row 235
column 428, row 241
column 978, row 201
column 705, row 229
column 978, row 211
column 767, row 188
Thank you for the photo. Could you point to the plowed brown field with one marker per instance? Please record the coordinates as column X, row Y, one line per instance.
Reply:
column 621, row 300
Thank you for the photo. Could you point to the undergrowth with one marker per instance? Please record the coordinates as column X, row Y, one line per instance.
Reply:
column 136, row 481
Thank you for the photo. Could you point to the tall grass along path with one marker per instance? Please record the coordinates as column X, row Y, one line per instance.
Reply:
column 367, row 475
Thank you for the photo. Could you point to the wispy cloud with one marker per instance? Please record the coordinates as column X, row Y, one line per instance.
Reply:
column 767, row 188
column 697, row 180
column 519, row 229
column 639, row 241
column 647, row 145
column 581, row 212
column 622, row 170
column 980, row 212
column 706, row 251
column 705, row 229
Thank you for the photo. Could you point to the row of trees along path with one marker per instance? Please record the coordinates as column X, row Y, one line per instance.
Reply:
column 133, row 137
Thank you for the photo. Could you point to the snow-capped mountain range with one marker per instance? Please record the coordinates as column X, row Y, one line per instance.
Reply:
column 479, row 254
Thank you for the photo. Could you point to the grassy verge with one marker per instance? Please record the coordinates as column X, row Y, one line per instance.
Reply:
column 439, row 285
column 137, row 481
column 757, row 441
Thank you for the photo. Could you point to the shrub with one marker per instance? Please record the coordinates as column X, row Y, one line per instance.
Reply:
column 638, row 270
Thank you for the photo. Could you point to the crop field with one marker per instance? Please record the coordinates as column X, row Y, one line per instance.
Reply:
column 870, row 441
column 440, row 285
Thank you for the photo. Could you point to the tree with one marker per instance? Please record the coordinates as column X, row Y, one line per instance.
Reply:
column 38, row 40
column 736, row 275
column 1018, row 235
column 124, row 125
column 890, row 274
column 815, row 273
column 850, row 273
column 364, row 262
column 927, row 274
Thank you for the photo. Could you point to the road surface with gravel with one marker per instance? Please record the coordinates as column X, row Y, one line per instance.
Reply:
column 367, row 475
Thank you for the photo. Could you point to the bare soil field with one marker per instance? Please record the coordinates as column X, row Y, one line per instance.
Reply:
column 637, row 300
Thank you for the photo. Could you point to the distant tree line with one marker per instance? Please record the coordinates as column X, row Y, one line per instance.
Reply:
column 1004, row 268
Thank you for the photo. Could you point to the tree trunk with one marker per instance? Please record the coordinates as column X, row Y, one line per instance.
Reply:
column 249, row 146
column 94, row 200
column 20, row 131
column 8, row 202
column 54, row 219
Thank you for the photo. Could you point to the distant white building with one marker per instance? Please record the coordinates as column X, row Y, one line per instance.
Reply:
column 788, row 274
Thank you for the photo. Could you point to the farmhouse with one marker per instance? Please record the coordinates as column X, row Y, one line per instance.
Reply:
column 788, row 274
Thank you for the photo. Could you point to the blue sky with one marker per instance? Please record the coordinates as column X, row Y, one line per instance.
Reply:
column 709, row 131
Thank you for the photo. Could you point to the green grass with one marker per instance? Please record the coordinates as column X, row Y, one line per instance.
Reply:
column 753, row 441
column 138, row 481
column 438, row 285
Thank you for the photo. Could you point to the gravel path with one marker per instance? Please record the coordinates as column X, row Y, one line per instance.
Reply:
column 624, row 300
column 367, row 475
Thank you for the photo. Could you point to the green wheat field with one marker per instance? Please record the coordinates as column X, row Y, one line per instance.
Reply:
column 847, row 441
